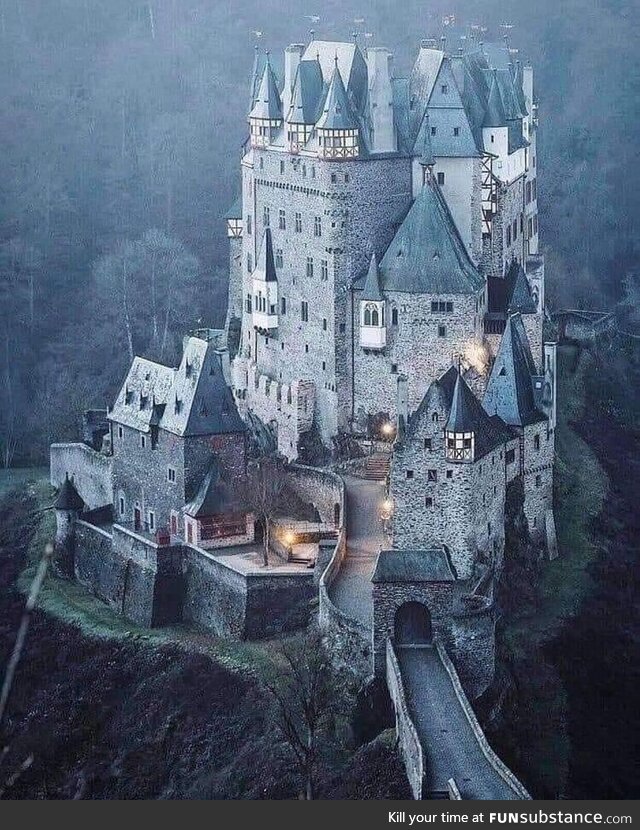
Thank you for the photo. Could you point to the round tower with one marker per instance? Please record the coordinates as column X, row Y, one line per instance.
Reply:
column 68, row 506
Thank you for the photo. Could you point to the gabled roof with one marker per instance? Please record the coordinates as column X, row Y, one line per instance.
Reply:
column 68, row 497
column 421, row 83
column 265, row 266
column 267, row 105
column 306, row 94
column 510, row 390
column 193, row 399
column 427, row 255
column 336, row 112
column 371, row 289
column 413, row 566
column 214, row 496
column 448, row 117
column 494, row 114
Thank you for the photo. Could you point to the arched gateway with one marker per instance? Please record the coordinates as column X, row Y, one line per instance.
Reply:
column 412, row 625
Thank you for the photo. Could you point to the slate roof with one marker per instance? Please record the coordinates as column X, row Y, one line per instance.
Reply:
column 193, row 399
column 307, row 93
column 235, row 211
column 371, row 288
column 466, row 414
column 68, row 497
column 511, row 293
column 265, row 265
column 413, row 566
column 336, row 112
column 427, row 255
column 510, row 390
column 267, row 105
column 214, row 496
column 350, row 61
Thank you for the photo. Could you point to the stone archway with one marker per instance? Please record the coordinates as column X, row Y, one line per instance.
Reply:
column 412, row 625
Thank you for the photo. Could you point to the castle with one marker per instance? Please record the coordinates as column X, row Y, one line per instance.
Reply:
column 386, row 287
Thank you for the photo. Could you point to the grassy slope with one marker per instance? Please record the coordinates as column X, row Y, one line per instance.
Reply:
column 534, row 737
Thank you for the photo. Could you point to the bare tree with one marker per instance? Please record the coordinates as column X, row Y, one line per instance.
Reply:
column 305, row 706
column 266, row 484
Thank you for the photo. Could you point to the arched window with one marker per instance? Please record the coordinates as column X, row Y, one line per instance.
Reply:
column 375, row 317
column 394, row 316
column 367, row 316
column 434, row 417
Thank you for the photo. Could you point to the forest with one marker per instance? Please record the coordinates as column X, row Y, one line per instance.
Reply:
column 121, row 130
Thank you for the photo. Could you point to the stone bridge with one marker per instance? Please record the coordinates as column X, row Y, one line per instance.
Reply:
column 444, row 750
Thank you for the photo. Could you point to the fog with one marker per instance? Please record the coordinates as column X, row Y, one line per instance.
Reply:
column 122, row 123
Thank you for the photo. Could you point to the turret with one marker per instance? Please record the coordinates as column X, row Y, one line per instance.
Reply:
column 265, row 118
column 68, row 506
column 373, row 328
column 337, row 128
column 265, row 287
column 303, row 110
column 460, row 437
column 495, row 131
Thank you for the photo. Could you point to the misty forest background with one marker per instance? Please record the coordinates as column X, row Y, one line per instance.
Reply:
column 121, row 124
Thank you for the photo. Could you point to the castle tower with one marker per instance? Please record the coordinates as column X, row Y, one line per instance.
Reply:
column 265, row 117
column 68, row 506
column 337, row 128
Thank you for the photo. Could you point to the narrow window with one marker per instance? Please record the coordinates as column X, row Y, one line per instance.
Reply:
column 281, row 167
column 538, row 481
column 445, row 89
column 171, row 475
column 249, row 304
column 120, row 432
column 433, row 130
column 442, row 331
column 279, row 258
column 282, row 220
column 309, row 267
column 249, row 224
column 456, row 131
column 298, row 223
column 324, row 270
column 428, row 501
column 266, row 216
column 304, row 311
column 394, row 368
column 449, row 473
column 394, row 316
column 440, row 178
column 122, row 506
column 427, row 444
column 143, row 441
column 152, row 520
column 249, row 263
column 536, row 442
column 283, row 305
column 432, row 475
column 317, row 226
column 324, row 324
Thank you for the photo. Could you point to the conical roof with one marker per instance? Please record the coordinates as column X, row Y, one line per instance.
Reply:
column 510, row 391
column 265, row 266
column 466, row 412
column 371, row 289
column 68, row 497
column 268, row 105
column 306, row 95
column 337, row 113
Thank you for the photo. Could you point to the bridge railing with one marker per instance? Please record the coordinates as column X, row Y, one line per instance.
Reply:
column 502, row 770
column 410, row 746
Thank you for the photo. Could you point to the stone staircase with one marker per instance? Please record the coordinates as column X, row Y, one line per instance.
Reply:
column 376, row 467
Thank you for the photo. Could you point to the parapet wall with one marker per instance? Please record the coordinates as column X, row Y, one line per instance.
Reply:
column 323, row 489
column 91, row 472
column 410, row 746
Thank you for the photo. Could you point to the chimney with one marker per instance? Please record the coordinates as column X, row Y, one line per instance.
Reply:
column 292, row 57
column 527, row 86
column 379, row 61
column 402, row 407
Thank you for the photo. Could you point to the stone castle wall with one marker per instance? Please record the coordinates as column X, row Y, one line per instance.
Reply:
column 90, row 470
column 414, row 349
column 538, row 477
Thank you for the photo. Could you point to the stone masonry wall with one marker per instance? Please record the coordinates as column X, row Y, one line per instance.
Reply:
column 91, row 472
column 323, row 489
column 467, row 509
column 414, row 349
column 538, row 477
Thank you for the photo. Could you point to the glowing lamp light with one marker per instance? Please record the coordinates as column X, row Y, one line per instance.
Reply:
column 388, row 429
column 289, row 538
column 386, row 511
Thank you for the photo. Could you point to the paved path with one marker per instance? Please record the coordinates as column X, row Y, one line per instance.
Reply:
column 451, row 749
column 352, row 589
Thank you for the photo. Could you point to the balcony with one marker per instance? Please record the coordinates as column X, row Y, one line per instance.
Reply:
column 373, row 337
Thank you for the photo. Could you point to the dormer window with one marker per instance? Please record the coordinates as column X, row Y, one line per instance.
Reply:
column 128, row 396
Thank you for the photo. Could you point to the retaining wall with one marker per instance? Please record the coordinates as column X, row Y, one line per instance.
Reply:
column 410, row 746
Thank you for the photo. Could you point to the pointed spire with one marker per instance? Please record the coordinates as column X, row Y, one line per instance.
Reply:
column 337, row 113
column 464, row 406
column 267, row 105
column 371, row 289
column 494, row 115
column 265, row 266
